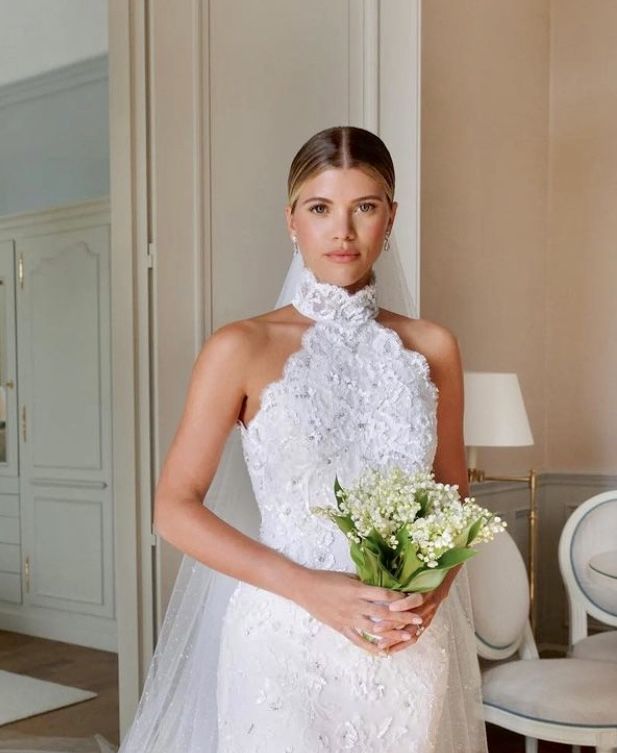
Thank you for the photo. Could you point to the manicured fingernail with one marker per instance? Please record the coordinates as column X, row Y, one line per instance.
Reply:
column 405, row 636
column 416, row 620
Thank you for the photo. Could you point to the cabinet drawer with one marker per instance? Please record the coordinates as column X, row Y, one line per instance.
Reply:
column 10, row 587
column 10, row 561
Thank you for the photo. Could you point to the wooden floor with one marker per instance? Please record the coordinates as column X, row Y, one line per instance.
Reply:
column 95, row 670
column 86, row 668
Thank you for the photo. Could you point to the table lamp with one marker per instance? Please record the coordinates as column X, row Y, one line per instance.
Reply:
column 495, row 416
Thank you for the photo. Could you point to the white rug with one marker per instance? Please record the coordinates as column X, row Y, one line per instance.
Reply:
column 22, row 696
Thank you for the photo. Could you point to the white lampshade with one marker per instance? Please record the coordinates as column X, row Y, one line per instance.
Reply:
column 495, row 414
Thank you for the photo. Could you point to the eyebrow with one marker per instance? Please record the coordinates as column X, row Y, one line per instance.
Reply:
column 327, row 201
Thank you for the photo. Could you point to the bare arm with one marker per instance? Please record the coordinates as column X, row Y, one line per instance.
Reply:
column 449, row 465
column 215, row 395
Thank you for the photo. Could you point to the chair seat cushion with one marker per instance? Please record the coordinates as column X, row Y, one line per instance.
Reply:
column 599, row 647
column 560, row 691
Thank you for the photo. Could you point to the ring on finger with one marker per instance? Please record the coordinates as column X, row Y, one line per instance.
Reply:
column 420, row 630
column 365, row 635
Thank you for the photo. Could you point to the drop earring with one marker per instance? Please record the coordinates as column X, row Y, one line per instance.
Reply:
column 386, row 245
column 295, row 244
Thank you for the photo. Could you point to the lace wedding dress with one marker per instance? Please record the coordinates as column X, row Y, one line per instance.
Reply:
column 351, row 397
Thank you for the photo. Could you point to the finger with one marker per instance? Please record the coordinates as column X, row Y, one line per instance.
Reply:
column 401, row 646
column 405, row 621
column 408, row 602
column 382, row 612
column 362, row 643
column 376, row 593
column 397, row 636
column 383, row 629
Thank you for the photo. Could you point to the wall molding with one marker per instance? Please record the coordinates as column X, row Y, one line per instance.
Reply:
column 547, row 479
column 51, row 82
column 72, row 215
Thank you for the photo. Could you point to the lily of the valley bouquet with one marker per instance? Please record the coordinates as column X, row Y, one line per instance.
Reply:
column 407, row 530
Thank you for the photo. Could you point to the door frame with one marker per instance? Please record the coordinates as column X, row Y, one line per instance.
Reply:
column 130, row 342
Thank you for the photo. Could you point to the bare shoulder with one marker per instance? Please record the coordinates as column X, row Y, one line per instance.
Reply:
column 434, row 341
column 234, row 344
column 229, row 347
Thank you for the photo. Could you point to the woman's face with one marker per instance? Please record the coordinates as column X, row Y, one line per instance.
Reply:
column 340, row 220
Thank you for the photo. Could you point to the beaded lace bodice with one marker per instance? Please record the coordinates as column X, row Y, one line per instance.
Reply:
column 352, row 396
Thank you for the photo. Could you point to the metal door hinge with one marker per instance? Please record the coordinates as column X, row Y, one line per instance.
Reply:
column 27, row 573
column 20, row 271
column 150, row 255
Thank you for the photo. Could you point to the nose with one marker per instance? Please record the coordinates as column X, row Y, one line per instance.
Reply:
column 344, row 229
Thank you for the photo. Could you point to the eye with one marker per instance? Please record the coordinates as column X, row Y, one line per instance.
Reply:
column 368, row 204
column 316, row 206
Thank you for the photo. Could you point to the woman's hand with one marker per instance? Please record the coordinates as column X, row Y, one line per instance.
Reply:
column 428, row 609
column 343, row 602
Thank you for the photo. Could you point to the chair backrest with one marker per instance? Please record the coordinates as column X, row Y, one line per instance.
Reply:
column 499, row 596
column 591, row 529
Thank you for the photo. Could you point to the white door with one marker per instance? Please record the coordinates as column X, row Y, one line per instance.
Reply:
column 64, row 391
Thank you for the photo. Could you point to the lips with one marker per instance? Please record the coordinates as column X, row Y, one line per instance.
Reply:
column 343, row 256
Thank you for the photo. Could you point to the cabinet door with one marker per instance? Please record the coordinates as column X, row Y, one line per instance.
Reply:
column 63, row 325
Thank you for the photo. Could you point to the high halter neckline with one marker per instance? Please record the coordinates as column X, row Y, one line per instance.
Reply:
column 324, row 301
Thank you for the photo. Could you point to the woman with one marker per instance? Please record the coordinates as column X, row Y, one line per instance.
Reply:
column 328, row 384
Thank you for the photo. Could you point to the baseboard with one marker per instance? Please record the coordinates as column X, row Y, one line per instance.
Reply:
column 82, row 632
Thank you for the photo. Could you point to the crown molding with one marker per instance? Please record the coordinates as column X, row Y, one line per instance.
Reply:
column 59, row 79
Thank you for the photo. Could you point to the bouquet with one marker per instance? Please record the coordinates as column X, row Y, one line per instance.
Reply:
column 407, row 530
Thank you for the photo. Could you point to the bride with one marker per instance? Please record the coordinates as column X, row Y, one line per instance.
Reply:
column 263, row 646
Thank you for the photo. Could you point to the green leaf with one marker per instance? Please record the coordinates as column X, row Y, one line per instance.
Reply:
column 431, row 577
column 372, row 560
column 389, row 581
column 385, row 551
column 427, row 580
column 337, row 488
column 357, row 555
column 463, row 538
column 409, row 551
column 454, row 557
column 422, row 499
column 344, row 522
column 475, row 529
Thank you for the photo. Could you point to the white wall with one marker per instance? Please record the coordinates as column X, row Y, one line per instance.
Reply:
column 37, row 36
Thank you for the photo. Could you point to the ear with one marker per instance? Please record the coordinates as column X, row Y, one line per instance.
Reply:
column 392, row 215
column 290, row 220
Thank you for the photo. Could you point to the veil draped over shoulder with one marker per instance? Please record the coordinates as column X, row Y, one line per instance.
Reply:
column 177, row 711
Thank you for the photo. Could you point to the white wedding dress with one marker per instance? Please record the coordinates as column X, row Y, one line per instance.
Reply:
column 351, row 397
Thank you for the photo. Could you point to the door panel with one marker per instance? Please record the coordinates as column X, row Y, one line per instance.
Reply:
column 65, row 434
